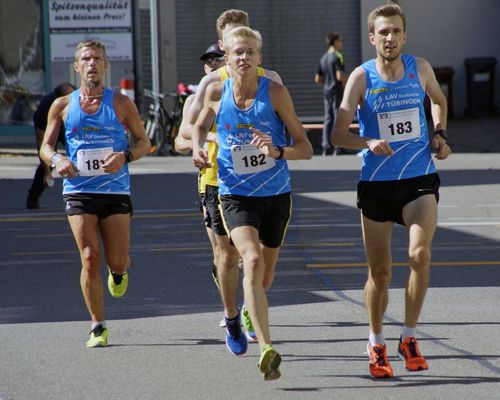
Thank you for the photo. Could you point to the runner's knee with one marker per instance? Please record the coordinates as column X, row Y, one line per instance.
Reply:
column 419, row 256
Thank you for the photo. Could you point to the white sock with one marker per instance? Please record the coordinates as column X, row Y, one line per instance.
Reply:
column 408, row 332
column 97, row 323
column 376, row 339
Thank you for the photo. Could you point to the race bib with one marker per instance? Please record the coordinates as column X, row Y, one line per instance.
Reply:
column 90, row 161
column 396, row 126
column 249, row 159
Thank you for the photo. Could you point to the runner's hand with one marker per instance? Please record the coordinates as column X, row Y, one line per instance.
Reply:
column 263, row 141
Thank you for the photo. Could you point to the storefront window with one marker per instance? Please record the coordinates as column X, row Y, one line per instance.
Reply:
column 22, row 78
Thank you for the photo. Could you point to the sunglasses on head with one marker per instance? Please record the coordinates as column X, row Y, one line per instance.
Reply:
column 211, row 59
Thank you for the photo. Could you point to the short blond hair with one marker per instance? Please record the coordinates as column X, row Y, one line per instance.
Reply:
column 93, row 43
column 244, row 33
column 231, row 17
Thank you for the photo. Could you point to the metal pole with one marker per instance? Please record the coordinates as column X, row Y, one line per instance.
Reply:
column 155, row 75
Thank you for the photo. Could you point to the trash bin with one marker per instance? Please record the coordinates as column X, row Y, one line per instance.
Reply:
column 444, row 76
column 480, row 86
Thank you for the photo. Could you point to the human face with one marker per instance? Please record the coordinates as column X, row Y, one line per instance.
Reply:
column 243, row 55
column 91, row 65
column 214, row 62
column 388, row 37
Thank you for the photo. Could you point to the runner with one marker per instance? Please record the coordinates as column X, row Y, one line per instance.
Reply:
column 228, row 275
column 399, row 182
column 96, row 186
column 254, row 182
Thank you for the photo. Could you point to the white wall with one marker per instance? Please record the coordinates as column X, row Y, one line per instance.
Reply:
column 446, row 32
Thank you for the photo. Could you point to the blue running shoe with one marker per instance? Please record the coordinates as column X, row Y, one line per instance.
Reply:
column 236, row 341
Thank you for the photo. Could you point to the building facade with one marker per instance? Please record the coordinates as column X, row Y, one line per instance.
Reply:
column 293, row 31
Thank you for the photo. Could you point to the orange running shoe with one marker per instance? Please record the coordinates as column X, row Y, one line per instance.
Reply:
column 379, row 364
column 409, row 352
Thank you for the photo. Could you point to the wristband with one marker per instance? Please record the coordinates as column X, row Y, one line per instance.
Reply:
column 281, row 150
column 442, row 133
column 129, row 157
column 54, row 159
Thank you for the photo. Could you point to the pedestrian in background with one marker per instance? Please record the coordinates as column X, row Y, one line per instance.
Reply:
column 43, row 175
column 331, row 75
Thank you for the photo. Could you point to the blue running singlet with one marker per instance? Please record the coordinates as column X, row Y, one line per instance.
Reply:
column 89, row 138
column 395, row 111
column 243, row 169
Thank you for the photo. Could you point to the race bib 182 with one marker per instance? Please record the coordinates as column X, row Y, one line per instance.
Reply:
column 249, row 159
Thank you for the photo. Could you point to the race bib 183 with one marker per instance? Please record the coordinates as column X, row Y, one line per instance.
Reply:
column 90, row 161
column 396, row 126
column 249, row 159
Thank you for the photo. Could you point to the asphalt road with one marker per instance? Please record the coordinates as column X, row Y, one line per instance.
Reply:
column 164, row 334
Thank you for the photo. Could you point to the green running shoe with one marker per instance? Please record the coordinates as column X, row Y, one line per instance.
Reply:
column 117, row 284
column 269, row 363
column 98, row 337
column 247, row 324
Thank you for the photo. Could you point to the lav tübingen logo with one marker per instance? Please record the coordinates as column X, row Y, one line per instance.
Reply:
column 244, row 126
column 379, row 90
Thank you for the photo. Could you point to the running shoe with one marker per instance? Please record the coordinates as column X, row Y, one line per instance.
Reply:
column 215, row 277
column 222, row 323
column 247, row 324
column 269, row 363
column 379, row 364
column 409, row 352
column 98, row 337
column 236, row 341
column 117, row 284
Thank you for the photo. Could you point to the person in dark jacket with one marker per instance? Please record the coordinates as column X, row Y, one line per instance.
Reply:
column 43, row 177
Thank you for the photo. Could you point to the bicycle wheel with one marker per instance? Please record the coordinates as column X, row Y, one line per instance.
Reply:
column 165, row 146
column 173, row 132
column 163, row 128
column 152, row 130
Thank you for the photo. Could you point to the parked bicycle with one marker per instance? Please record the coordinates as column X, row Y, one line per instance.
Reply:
column 162, row 125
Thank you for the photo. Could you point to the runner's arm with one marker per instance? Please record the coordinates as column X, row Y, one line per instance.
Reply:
column 186, row 129
column 183, row 145
column 439, row 106
column 55, row 120
column 134, row 124
column 301, row 148
column 204, row 123
column 353, row 96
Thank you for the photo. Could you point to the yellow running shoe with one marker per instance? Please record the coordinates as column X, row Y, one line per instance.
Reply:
column 98, row 337
column 269, row 363
column 247, row 324
column 117, row 284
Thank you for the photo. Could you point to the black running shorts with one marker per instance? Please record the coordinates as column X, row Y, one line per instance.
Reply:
column 269, row 215
column 213, row 217
column 103, row 205
column 383, row 201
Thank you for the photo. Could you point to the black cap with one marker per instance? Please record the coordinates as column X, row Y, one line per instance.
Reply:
column 212, row 51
